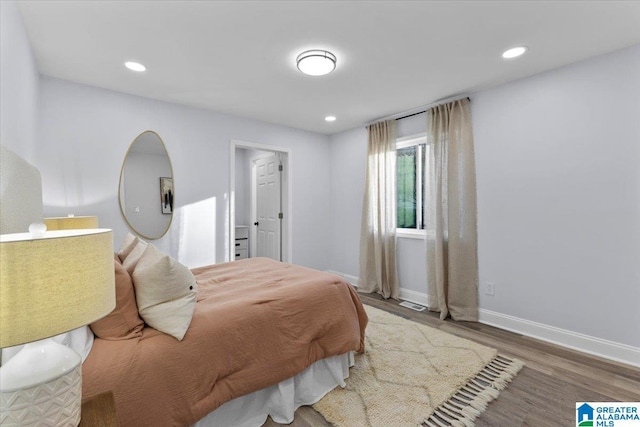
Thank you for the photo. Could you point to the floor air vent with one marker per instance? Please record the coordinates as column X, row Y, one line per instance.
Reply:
column 413, row 306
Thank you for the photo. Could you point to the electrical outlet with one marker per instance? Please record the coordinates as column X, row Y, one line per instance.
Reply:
column 490, row 288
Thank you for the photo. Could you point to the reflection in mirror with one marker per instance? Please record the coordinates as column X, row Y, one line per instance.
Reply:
column 146, row 190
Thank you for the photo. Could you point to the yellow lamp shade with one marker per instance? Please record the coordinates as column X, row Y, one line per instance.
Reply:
column 71, row 222
column 54, row 283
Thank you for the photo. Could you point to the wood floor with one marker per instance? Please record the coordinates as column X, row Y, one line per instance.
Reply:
column 545, row 391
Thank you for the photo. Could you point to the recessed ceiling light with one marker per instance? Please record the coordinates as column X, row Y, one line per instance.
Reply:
column 316, row 62
column 330, row 118
column 514, row 52
column 135, row 66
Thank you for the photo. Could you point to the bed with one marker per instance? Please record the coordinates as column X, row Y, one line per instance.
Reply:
column 264, row 338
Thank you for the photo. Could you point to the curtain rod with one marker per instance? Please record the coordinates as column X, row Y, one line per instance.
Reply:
column 418, row 110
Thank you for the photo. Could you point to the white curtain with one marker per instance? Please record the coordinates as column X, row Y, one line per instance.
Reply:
column 378, row 272
column 450, row 211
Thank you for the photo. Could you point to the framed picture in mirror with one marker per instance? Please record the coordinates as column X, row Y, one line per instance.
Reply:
column 166, row 195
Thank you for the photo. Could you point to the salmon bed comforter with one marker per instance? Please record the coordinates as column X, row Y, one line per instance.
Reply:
column 256, row 323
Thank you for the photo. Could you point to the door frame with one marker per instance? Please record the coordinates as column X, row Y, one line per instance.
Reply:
column 287, row 193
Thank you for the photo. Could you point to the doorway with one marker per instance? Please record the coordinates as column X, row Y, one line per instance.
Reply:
column 259, row 202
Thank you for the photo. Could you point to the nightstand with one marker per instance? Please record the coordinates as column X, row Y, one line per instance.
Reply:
column 99, row 411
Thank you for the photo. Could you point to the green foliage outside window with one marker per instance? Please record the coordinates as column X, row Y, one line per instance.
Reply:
column 406, row 186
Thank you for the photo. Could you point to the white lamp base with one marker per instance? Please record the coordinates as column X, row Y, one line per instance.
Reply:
column 41, row 385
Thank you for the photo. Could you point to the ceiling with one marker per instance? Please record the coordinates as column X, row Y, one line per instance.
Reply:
column 238, row 57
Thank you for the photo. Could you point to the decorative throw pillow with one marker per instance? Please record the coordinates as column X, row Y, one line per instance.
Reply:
column 166, row 292
column 137, row 249
column 127, row 246
column 123, row 322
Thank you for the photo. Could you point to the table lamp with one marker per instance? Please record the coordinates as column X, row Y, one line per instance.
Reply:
column 71, row 222
column 50, row 282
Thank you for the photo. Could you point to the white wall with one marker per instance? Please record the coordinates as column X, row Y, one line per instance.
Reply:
column 348, row 165
column 18, row 84
column 243, row 189
column 558, row 168
column 78, row 135
column 558, row 175
column 85, row 132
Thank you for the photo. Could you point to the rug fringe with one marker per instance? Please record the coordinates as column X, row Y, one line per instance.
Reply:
column 470, row 401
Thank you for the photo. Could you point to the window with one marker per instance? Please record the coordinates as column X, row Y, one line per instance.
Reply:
column 410, row 160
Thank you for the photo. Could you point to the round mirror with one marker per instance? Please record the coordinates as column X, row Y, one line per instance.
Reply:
column 146, row 186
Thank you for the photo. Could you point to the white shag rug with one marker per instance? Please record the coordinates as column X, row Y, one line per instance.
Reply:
column 412, row 374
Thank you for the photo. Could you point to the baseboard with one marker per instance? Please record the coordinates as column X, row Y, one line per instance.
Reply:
column 596, row 346
column 405, row 294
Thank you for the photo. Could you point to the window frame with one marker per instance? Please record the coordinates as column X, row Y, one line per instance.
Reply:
column 417, row 140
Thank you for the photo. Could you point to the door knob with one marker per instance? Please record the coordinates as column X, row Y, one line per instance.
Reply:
column 256, row 223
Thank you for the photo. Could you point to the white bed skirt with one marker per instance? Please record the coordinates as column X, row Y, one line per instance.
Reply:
column 281, row 400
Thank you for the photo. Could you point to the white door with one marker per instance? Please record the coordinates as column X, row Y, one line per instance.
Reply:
column 268, row 207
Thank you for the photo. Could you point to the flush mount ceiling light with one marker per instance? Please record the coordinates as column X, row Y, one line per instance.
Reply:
column 135, row 66
column 330, row 118
column 514, row 52
column 316, row 62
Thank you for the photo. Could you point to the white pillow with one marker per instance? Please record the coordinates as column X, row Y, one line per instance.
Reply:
column 135, row 251
column 127, row 246
column 166, row 292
